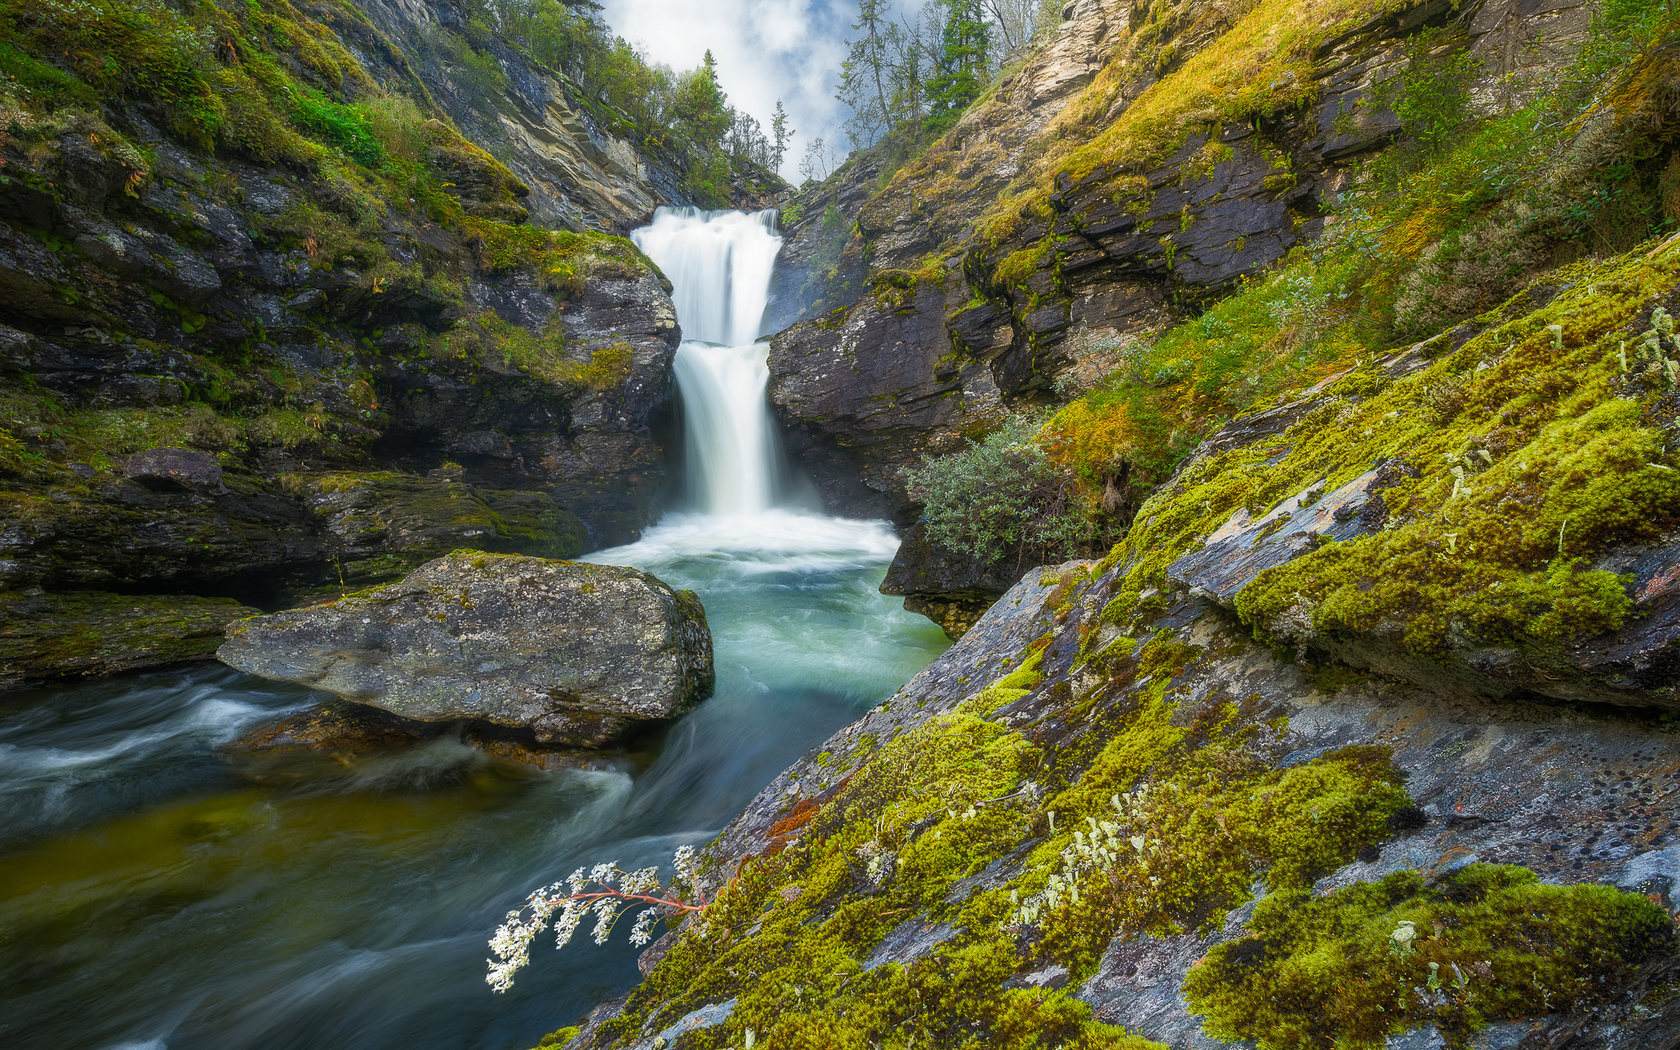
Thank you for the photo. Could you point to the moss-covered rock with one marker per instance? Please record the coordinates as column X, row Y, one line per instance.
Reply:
column 84, row 634
column 575, row 654
column 1378, row 959
column 384, row 524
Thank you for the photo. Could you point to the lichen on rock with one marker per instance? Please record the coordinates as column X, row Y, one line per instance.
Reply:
column 573, row 654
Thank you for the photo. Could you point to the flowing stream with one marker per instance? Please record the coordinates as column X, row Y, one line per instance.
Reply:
column 156, row 893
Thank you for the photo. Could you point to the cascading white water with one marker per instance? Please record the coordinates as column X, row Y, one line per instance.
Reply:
column 719, row 264
column 114, row 808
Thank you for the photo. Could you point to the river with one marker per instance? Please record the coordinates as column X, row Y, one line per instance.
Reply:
column 156, row 892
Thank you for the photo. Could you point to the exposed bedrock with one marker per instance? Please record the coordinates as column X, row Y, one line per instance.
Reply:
column 866, row 393
column 87, row 634
column 573, row 654
column 926, row 313
column 1574, row 795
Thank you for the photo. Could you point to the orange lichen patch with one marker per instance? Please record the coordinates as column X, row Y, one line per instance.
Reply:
column 787, row 829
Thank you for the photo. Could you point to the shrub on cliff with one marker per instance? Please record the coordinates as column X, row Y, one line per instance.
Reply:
column 1000, row 494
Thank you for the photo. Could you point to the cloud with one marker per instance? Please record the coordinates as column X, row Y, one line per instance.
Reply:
column 765, row 50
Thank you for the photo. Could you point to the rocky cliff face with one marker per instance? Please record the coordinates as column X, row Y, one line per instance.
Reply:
column 1336, row 748
column 289, row 339
column 1139, row 165
column 237, row 360
column 578, row 173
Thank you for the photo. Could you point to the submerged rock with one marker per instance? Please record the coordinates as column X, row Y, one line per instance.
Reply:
column 85, row 634
column 344, row 732
column 575, row 654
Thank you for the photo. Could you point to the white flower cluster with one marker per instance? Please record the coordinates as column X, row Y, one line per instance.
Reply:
column 1097, row 848
column 607, row 891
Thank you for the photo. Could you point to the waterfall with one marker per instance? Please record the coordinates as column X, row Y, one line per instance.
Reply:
column 719, row 264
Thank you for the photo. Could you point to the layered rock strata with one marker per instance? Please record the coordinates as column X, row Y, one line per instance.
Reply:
column 1011, row 273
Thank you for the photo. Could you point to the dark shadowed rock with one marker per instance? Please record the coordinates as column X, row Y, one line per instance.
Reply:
column 382, row 524
column 575, row 654
column 89, row 633
column 177, row 468
column 949, row 588
column 341, row 731
column 875, row 390
column 337, row 728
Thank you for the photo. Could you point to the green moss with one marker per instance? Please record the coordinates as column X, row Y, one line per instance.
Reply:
column 937, row 802
column 1490, row 942
column 545, row 354
column 1011, row 687
column 93, row 633
column 559, row 1038
column 1549, row 456
column 1015, row 268
column 565, row 259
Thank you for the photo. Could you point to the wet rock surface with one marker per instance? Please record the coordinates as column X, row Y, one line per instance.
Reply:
column 875, row 391
column 345, row 732
column 574, row 654
column 950, row 589
column 86, row 634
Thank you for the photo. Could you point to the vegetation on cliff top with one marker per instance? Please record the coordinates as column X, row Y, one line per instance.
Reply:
column 277, row 84
column 682, row 116
column 928, row 896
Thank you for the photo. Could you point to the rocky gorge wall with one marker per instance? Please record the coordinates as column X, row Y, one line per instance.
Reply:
column 274, row 319
column 1317, row 756
column 1139, row 165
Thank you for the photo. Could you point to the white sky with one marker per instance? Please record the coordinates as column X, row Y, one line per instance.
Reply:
column 765, row 50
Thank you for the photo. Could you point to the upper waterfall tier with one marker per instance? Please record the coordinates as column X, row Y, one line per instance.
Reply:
column 720, row 264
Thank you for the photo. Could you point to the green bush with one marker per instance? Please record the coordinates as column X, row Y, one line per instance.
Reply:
column 1000, row 494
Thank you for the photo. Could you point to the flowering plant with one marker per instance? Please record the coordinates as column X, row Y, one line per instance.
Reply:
column 609, row 892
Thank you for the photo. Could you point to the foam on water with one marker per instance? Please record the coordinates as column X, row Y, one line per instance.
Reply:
column 207, row 901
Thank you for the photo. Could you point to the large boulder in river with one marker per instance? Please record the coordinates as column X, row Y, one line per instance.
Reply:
column 576, row 654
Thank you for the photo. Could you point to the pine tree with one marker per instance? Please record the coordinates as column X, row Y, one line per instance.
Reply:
column 866, row 74
column 960, row 73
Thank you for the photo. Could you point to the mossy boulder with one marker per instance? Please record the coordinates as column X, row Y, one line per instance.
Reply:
column 85, row 634
column 571, row 653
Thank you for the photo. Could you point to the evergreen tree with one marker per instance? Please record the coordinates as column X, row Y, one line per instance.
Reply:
column 866, row 74
column 700, row 107
column 960, row 73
